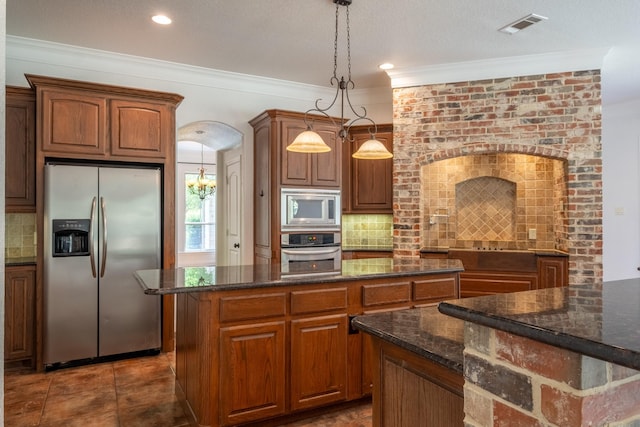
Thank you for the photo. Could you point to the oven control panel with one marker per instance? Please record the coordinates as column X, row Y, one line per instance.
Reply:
column 310, row 239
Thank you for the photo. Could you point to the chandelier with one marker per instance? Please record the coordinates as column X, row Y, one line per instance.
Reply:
column 202, row 186
column 310, row 141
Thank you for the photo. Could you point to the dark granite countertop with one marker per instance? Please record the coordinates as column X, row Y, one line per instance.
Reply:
column 601, row 321
column 18, row 261
column 424, row 331
column 221, row 278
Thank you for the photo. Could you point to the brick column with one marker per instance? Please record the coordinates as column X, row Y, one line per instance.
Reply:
column 515, row 381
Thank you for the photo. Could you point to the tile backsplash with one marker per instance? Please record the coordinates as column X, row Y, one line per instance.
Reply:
column 362, row 231
column 20, row 229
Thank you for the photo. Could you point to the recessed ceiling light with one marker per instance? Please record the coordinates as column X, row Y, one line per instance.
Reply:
column 161, row 19
column 386, row 66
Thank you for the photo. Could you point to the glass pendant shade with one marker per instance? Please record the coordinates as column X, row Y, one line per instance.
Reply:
column 372, row 150
column 308, row 142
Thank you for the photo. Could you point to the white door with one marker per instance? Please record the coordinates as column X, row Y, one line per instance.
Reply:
column 233, row 211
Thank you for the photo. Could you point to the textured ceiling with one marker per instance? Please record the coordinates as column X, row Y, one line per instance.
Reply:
column 293, row 39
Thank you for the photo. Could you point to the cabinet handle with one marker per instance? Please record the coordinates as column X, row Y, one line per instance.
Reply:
column 236, row 245
column 91, row 254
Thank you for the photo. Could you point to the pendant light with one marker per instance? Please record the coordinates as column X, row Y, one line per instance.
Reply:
column 310, row 141
column 202, row 186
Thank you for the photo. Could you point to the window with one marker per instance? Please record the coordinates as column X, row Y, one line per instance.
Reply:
column 195, row 219
column 199, row 219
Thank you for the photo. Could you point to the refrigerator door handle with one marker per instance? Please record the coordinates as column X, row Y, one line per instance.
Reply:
column 91, row 254
column 104, row 236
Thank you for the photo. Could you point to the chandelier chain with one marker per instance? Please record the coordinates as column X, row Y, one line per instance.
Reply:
column 348, row 45
column 335, row 45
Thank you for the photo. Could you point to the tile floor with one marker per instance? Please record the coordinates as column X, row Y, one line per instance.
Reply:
column 126, row 393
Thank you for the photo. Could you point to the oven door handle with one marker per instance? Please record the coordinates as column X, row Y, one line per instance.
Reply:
column 323, row 251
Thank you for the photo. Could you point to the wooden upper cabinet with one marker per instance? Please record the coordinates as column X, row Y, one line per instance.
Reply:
column 140, row 128
column 20, row 191
column 73, row 122
column 368, row 184
column 302, row 169
column 275, row 167
column 94, row 121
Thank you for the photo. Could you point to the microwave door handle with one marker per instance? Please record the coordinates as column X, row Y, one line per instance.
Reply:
column 104, row 236
column 92, row 257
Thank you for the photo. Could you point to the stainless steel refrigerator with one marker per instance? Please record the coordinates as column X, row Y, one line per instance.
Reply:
column 101, row 224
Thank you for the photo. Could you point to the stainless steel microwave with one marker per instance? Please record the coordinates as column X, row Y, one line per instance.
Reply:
column 310, row 209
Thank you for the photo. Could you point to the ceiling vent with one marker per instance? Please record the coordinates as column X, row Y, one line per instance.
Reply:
column 522, row 23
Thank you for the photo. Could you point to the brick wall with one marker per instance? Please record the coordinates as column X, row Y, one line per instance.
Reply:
column 515, row 381
column 554, row 115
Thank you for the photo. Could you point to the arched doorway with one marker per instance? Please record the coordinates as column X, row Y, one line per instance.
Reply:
column 207, row 230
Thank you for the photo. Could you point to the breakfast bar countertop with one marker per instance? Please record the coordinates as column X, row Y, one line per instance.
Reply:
column 597, row 320
column 423, row 331
column 223, row 278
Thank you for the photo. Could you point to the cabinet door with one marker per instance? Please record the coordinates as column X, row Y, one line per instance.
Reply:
column 318, row 361
column 371, row 181
column 553, row 272
column 265, row 204
column 301, row 169
column 326, row 168
column 19, row 313
column 73, row 122
column 20, row 191
column 252, row 372
column 140, row 129
column 296, row 167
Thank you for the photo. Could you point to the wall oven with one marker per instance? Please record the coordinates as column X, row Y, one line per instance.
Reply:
column 310, row 209
column 310, row 253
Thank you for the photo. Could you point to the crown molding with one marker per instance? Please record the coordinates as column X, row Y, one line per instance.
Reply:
column 85, row 59
column 526, row 65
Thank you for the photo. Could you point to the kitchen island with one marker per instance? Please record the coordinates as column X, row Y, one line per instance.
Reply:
column 418, row 367
column 256, row 345
column 554, row 357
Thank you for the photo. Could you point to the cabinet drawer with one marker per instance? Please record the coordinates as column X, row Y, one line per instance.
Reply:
column 252, row 307
column 436, row 289
column 478, row 284
column 387, row 293
column 318, row 300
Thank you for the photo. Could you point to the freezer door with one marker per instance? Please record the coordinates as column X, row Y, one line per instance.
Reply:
column 70, row 289
column 130, row 226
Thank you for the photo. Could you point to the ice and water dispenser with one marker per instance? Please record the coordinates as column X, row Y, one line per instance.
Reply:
column 70, row 237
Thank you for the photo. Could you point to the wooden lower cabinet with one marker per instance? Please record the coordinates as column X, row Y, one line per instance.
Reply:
column 248, row 356
column 493, row 272
column 553, row 272
column 318, row 361
column 412, row 391
column 19, row 312
column 252, row 383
